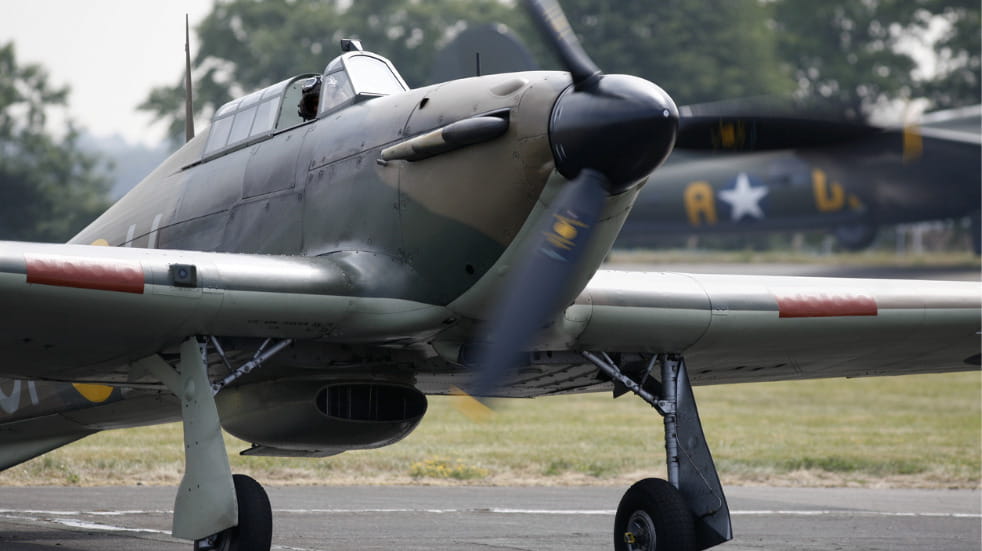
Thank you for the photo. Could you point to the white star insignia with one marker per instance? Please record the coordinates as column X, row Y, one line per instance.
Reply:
column 744, row 199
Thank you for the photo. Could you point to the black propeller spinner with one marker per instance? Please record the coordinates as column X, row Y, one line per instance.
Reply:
column 607, row 133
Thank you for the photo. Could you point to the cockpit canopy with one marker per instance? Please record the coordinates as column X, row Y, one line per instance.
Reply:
column 351, row 77
column 257, row 115
column 358, row 74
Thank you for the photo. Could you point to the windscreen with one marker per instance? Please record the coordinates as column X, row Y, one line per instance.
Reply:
column 372, row 76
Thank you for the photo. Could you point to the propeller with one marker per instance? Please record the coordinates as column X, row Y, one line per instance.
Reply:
column 607, row 132
column 551, row 21
column 758, row 124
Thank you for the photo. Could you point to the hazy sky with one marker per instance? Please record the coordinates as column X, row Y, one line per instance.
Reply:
column 111, row 53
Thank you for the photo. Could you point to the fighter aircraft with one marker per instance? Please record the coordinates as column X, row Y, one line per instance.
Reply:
column 850, row 185
column 336, row 247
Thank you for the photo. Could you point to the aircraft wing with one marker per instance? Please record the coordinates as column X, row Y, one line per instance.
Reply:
column 78, row 312
column 752, row 328
column 83, row 313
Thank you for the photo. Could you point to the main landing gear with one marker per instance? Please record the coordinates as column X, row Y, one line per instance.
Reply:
column 689, row 511
column 255, row 529
column 214, row 509
column 653, row 516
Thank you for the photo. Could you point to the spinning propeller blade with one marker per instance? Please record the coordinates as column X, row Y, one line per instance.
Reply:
column 759, row 124
column 538, row 284
column 549, row 18
column 608, row 132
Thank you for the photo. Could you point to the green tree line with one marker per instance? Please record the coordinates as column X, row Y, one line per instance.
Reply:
column 850, row 54
column 49, row 187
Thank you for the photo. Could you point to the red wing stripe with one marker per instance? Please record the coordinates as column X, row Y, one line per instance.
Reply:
column 824, row 305
column 84, row 273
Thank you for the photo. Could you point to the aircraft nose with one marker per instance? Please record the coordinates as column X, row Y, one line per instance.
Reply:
column 620, row 125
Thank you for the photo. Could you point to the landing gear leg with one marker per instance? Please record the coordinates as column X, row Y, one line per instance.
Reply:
column 689, row 512
column 211, row 509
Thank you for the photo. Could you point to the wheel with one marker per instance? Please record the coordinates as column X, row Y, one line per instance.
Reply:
column 856, row 237
column 652, row 516
column 255, row 529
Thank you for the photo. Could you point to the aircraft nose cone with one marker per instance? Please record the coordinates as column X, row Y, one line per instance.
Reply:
column 619, row 125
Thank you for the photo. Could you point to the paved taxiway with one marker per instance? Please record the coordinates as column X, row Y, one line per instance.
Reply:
column 493, row 519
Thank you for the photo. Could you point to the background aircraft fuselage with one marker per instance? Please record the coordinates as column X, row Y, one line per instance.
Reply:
column 888, row 177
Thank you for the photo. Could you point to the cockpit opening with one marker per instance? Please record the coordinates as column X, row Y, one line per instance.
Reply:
column 310, row 93
column 354, row 76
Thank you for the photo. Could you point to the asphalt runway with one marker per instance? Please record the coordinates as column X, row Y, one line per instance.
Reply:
column 493, row 519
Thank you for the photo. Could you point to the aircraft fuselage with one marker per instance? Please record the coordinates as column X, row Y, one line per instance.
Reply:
column 422, row 230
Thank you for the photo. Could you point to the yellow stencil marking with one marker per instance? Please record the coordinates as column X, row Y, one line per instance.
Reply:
column 913, row 143
column 471, row 407
column 727, row 135
column 855, row 203
column 564, row 229
column 699, row 203
column 827, row 198
column 100, row 242
column 730, row 135
column 94, row 393
column 564, row 232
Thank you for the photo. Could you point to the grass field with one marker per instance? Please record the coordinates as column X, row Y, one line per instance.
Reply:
column 912, row 431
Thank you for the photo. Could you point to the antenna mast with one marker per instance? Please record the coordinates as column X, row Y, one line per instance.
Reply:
column 188, row 111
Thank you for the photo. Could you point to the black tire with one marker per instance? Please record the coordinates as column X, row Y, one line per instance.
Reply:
column 255, row 529
column 856, row 237
column 652, row 516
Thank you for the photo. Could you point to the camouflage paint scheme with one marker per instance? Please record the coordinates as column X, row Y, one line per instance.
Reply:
column 382, row 272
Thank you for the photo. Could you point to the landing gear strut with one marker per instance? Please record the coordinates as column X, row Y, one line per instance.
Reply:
column 689, row 511
column 214, row 509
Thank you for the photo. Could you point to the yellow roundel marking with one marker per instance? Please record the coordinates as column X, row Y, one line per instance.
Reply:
column 100, row 242
column 94, row 393
column 564, row 229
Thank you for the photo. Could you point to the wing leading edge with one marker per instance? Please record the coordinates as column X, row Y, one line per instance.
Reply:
column 752, row 328
column 76, row 312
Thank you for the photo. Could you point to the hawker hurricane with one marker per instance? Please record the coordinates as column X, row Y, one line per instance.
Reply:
column 337, row 247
